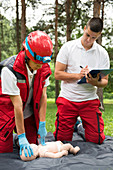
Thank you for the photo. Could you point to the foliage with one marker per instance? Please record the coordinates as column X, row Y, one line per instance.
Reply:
column 7, row 33
column 33, row 3
column 78, row 20
column 110, row 51
column 109, row 87
column 108, row 34
column 83, row 11
column 107, row 95
column 51, row 87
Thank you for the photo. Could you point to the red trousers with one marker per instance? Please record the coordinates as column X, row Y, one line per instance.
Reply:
column 90, row 114
column 31, row 135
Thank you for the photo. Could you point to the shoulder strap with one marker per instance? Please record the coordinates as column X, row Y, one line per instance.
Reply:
column 18, row 75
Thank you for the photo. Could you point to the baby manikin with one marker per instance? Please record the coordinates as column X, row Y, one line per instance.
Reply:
column 52, row 150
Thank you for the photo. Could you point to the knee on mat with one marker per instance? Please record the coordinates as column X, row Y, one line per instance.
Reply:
column 62, row 136
column 99, row 138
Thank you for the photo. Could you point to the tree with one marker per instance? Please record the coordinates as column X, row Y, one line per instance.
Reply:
column 72, row 16
column 56, row 47
column 17, row 27
column 0, row 51
column 98, row 6
column 23, row 21
column 70, row 13
column 68, row 30
column 1, row 28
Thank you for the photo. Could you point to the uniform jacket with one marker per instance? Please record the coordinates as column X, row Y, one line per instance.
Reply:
column 17, row 65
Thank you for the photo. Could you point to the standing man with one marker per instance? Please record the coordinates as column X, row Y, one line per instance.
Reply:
column 23, row 99
column 74, row 61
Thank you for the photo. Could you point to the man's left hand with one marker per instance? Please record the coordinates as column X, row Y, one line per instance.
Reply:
column 91, row 80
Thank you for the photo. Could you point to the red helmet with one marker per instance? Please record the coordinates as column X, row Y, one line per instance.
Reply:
column 38, row 47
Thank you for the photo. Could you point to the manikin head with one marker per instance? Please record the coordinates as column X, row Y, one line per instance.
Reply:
column 34, row 156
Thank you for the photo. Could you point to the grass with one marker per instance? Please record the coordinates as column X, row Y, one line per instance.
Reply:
column 107, row 116
column 50, row 115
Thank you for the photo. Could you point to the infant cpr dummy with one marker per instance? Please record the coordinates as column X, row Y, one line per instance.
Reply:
column 52, row 150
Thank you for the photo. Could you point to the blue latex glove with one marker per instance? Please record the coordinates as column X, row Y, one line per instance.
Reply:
column 24, row 144
column 42, row 132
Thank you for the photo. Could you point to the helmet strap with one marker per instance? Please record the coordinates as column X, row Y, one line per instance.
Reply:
column 26, row 58
column 34, row 56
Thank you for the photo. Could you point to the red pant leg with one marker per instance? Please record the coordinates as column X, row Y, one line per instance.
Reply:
column 31, row 134
column 91, row 118
column 7, row 146
column 65, row 121
column 30, row 129
column 92, row 121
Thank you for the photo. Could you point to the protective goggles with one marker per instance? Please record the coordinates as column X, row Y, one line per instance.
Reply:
column 45, row 59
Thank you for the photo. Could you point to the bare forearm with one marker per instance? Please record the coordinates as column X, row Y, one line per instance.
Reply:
column 62, row 75
column 103, row 83
column 19, row 120
column 43, row 106
column 18, row 111
column 94, row 81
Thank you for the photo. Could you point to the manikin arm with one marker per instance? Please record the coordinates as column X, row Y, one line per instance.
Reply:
column 70, row 148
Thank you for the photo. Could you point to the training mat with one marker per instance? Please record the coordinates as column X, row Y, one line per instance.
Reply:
column 90, row 157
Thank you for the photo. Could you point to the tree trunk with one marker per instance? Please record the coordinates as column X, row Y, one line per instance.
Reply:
column 56, row 47
column 96, row 8
column 0, row 51
column 96, row 13
column 23, row 21
column 1, row 36
column 17, row 27
column 99, row 40
column 100, row 95
column 67, row 8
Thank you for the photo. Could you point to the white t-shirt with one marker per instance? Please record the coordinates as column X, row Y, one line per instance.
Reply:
column 9, row 87
column 9, row 81
column 73, row 54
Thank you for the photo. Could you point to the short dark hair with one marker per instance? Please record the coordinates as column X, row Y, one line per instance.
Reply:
column 95, row 24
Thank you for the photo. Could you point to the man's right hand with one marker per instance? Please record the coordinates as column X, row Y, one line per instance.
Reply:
column 24, row 144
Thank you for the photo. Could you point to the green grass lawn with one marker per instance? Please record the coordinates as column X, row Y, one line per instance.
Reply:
column 51, row 115
column 107, row 116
